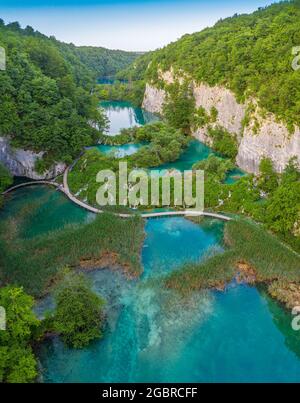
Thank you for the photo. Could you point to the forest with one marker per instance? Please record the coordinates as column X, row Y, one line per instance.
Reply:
column 103, row 62
column 46, row 93
column 248, row 53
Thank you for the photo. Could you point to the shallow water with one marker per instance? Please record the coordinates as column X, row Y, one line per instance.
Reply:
column 195, row 151
column 152, row 334
column 119, row 151
column 110, row 80
column 49, row 210
column 234, row 175
column 122, row 114
column 144, row 319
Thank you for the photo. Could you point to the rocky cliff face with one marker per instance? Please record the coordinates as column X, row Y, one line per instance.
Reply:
column 268, row 139
column 262, row 137
column 22, row 163
column 154, row 99
column 230, row 112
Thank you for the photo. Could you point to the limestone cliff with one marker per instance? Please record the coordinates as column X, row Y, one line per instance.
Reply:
column 266, row 137
column 263, row 136
column 154, row 99
column 22, row 163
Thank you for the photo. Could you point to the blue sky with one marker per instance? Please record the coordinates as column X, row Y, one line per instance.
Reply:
column 128, row 24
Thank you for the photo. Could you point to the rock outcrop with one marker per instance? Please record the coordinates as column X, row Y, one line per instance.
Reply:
column 22, row 163
column 230, row 112
column 269, row 139
column 154, row 99
column 263, row 136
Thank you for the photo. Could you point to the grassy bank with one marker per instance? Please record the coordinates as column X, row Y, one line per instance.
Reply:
column 35, row 263
column 254, row 254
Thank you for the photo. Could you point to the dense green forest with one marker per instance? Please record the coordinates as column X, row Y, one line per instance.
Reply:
column 103, row 62
column 130, row 82
column 46, row 93
column 250, row 54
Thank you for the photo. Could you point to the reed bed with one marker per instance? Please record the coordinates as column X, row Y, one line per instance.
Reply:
column 247, row 242
column 35, row 263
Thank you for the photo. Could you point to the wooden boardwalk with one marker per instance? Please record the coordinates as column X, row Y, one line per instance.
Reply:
column 64, row 188
column 22, row 185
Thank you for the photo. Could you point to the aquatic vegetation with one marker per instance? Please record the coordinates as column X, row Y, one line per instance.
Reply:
column 155, row 334
column 273, row 262
column 35, row 262
column 78, row 315
column 268, row 197
column 164, row 144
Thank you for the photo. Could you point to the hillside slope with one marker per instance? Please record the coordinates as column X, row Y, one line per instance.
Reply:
column 242, row 67
column 103, row 62
column 47, row 112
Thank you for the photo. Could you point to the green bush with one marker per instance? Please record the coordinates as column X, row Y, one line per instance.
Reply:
column 79, row 311
column 223, row 142
column 17, row 361
column 179, row 106
column 213, row 165
column 268, row 178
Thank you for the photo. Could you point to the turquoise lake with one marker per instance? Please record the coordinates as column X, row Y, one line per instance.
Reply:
column 119, row 151
column 110, row 80
column 122, row 114
column 152, row 334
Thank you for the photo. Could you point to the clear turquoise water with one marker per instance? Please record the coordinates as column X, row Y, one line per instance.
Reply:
column 196, row 151
column 143, row 318
column 234, row 175
column 49, row 210
column 119, row 151
column 153, row 334
column 122, row 114
column 109, row 80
